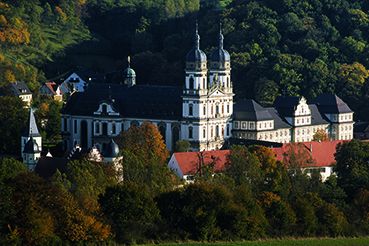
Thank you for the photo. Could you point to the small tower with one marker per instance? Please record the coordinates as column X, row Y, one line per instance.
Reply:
column 31, row 154
column 111, row 155
column 31, row 131
column 129, row 74
column 220, row 66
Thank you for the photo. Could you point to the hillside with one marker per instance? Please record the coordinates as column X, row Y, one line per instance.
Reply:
column 290, row 47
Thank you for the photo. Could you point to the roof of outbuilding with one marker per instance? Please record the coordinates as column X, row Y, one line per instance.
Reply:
column 139, row 101
column 331, row 103
column 189, row 162
column 322, row 153
column 251, row 111
column 19, row 88
column 47, row 166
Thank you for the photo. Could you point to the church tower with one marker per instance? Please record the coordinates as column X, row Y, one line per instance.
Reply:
column 31, row 154
column 220, row 66
column 31, row 131
column 129, row 75
column 207, row 105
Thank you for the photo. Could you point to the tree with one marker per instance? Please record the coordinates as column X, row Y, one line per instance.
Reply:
column 244, row 167
column 320, row 135
column 13, row 116
column 132, row 211
column 145, row 141
column 182, row 146
column 352, row 166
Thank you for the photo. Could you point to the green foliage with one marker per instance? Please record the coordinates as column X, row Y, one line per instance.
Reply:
column 352, row 166
column 13, row 118
column 132, row 211
column 182, row 146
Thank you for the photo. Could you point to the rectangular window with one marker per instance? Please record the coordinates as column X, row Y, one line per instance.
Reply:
column 113, row 128
column 65, row 125
column 97, row 128
column 190, row 110
column 227, row 108
column 227, row 130
column 75, row 126
column 236, row 124
column 190, row 132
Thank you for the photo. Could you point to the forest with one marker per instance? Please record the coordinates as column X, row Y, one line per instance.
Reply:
column 256, row 197
column 286, row 47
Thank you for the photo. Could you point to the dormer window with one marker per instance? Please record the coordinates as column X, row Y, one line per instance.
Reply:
column 104, row 109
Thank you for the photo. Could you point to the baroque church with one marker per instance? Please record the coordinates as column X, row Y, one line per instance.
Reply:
column 201, row 111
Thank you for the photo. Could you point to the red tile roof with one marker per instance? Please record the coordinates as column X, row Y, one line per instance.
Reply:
column 321, row 152
column 51, row 85
column 189, row 161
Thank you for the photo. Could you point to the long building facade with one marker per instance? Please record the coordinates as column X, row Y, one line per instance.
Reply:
column 201, row 111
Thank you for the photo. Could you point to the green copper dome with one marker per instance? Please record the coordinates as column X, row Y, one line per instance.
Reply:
column 129, row 72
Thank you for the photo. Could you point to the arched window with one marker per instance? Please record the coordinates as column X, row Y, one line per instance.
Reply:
column 222, row 131
column 204, row 83
column 222, row 108
column 113, row 128
column 192, row 83
column 204, row 110
column 217, row 131
column 227, row 130
column 190, row 132
column 217, row 109
column 228, row 85
column 190, row 109
column 211, row 132
column 204, row 132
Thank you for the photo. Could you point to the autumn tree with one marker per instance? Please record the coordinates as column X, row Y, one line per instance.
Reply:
column 320, row 135
column 145, row 141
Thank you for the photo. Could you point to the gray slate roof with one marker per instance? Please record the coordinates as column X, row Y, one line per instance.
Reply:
column 331, row 104
column 31, row 129
column 250, row 110
column 279, row 123
column 139, row 101
column 286, row 105
column 19, row 88
column 316, row 117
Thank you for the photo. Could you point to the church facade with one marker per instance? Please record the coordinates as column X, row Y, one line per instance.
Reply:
column 200, row 112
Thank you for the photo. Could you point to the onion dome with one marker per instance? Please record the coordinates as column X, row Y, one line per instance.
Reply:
column 31, row 147
column 220, row 55
column 112, row 150
column 129, row 72
column 195, row 54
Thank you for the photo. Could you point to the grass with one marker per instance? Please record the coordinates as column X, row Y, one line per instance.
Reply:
column 362, row 241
